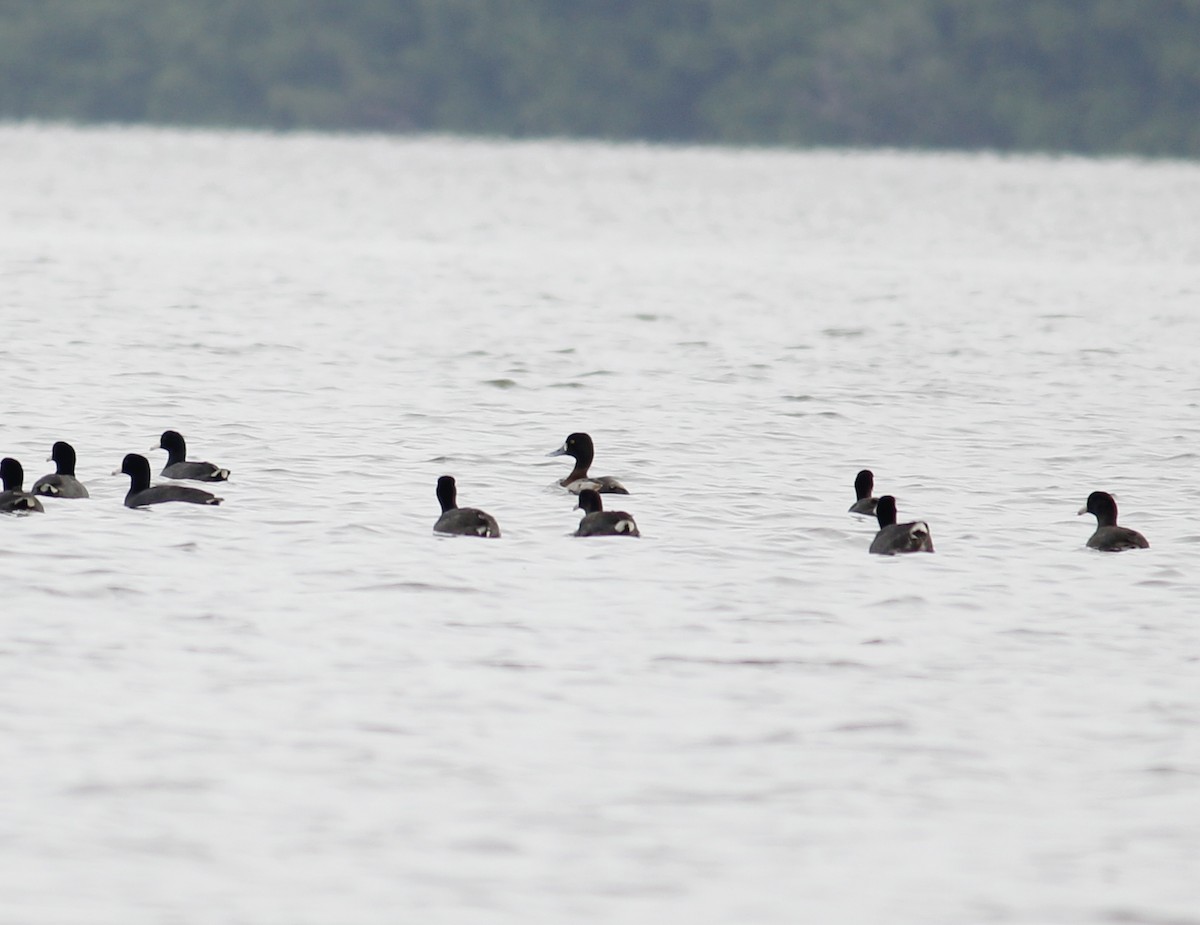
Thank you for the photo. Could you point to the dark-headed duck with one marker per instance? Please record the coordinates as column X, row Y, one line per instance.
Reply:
column 178, row 467
column 579, row 446
column 599, row 522
column 1108, row 536
column 61, row 484
column 893, row 537
column 864, row 484
column 14, row 499
column 463, row 521
column 141, row 493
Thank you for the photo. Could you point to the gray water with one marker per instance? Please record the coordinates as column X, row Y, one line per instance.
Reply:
column 302, row 707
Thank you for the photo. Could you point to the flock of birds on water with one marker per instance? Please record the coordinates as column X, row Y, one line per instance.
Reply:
column 891, row 539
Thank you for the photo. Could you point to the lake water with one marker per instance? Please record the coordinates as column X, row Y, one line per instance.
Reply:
column 302, row 707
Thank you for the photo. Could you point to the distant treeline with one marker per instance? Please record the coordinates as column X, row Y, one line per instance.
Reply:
column 1077, row 75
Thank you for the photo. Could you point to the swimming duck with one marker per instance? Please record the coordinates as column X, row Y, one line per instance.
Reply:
column 893, row 537
column 464, row 521
column 178, row 467
column 61, row 484
column 599, row 522
column 141, row 493
column 580, row 447
column 14, row 498
column 864, row 484
column 1108, row 536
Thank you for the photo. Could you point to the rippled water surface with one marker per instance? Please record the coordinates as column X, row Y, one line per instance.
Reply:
column 302, row 707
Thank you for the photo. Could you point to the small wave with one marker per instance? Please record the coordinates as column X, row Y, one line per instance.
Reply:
column 420, row 586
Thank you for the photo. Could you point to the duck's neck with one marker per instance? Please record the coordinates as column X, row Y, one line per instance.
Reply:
column 582, row 462
column 590, row 503
column 14, row 479
column 579, row 472
column 447, row 497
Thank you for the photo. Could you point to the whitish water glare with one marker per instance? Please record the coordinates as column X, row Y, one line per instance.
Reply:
column 302, row 707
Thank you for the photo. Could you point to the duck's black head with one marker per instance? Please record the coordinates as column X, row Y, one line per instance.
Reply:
column 864, row 484
column 578, row 446
column 172, row 441
column 1102, row 504
column 12, row 474
column 63, row 455
column 447, row 493
column 589, row 501
column 885, row 510
column 138, row 469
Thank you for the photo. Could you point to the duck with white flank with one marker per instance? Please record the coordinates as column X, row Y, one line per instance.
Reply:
column 14, row 499
column 178, row 467
column 61, row 484
column 579, row 446
column 461, row 521
column 599, row 522
column 893, row 537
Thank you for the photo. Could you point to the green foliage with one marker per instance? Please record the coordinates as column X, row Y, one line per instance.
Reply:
column 1106, row 75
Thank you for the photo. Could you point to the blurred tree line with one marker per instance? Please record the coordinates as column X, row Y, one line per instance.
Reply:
column 1080, row 75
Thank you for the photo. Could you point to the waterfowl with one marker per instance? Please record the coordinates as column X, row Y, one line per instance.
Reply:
column 178, row 467
column 580, row 447
column 864, row 484
column 61, row 484
column 1108, row 536
column 893, row 537
column 14, row 498
column 463, row 521
column 141, row 493
column 599, row 522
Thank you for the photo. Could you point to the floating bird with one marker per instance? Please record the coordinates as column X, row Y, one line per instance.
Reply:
column 893, row 537
column 1108, row 536
column 580, row 447
column 462, row 521
column 599, row 522
column 864, row 484
column 178, row 467
column 141, row 493
column 61, row 484
column 14, row 498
